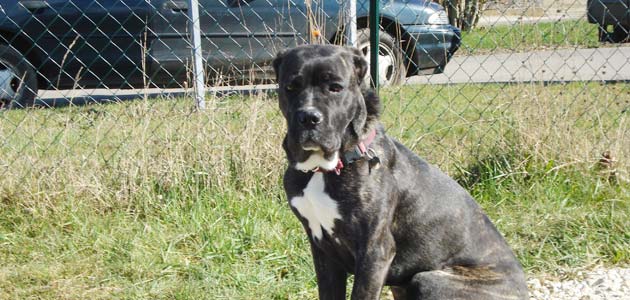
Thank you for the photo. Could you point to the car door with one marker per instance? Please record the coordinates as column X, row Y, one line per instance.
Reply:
column 88, row 42
column 248, row 33
column 237, row 35
column 115, row 33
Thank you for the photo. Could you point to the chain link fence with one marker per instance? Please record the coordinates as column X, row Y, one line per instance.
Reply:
column 548, row 76
column 99, row 112
column 533, row 77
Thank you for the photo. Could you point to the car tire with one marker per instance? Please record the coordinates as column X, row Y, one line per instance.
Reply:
column 392, row 69
column 18, row 80
column 620, row 34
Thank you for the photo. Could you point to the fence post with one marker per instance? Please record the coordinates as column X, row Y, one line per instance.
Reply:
column 374, row 21
column 351, row 23
column 198, row 65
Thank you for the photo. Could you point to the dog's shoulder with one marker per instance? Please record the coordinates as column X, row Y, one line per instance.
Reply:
column 406, row 159
column 417, row 176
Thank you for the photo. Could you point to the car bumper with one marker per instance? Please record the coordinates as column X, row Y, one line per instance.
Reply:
column 608, row 12
column 430, row 47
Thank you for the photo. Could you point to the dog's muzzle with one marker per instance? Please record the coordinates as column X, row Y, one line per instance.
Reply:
column 310, row 131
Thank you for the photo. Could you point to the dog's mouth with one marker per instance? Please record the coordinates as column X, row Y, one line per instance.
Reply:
column 313, row 141
column 314, row 152
column 311, row 145
column 318, row 161
column 311, row 149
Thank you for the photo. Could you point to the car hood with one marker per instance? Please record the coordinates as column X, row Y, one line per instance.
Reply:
column 405, row 12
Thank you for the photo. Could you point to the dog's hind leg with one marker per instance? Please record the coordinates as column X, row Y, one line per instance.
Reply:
column 478, row 284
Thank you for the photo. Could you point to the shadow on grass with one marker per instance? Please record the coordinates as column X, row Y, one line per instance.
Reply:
column 493, row 167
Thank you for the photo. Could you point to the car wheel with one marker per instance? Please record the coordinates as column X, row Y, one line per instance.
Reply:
column 391, row 63
column 18, row 81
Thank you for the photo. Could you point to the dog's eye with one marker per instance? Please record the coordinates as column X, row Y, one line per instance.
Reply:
column 335, row 88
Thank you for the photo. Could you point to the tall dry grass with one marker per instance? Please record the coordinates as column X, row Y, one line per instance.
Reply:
column 117, row 156
column 563, row 126
column 113, row 156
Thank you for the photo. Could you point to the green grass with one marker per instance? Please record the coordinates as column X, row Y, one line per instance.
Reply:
column 525, row 37
column 149, row 200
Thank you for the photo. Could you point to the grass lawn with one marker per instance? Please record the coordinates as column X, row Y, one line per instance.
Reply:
column 150, row 200
column 525, row 37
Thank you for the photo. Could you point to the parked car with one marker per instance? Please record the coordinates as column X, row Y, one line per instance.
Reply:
column 610, row 13
column 60, row 44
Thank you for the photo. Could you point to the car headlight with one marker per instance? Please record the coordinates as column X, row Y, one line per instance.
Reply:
column 438, row 18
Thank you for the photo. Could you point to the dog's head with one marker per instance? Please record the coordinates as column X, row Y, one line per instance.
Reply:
column 321, row 98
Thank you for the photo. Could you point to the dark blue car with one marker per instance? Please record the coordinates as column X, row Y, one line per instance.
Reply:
column 610, row 13
column 61, row 44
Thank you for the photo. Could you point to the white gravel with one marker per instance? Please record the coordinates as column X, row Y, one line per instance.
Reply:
column 597, row 284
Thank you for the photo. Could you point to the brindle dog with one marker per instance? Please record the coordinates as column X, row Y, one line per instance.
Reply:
column 369, row 205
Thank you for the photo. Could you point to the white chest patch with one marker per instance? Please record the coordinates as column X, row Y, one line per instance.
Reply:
column 317, row 207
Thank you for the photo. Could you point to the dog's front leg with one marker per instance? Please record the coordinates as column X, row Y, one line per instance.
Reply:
column 331, row 277
column 372, row 266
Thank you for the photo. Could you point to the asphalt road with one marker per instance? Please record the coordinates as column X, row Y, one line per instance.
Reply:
column 601, row 64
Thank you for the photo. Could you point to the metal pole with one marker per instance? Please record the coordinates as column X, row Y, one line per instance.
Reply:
column 351, row 22
column 198, row 66
column 374, row 21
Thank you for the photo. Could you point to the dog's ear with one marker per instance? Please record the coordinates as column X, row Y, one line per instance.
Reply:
column 372, row 105
column 370, row 108
column 367, row 115
column 277, row 62
column 360, row 64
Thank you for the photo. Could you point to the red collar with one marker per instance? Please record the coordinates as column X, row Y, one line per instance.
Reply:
column 358, row 152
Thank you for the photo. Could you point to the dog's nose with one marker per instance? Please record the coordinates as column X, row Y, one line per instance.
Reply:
column 309, row 117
